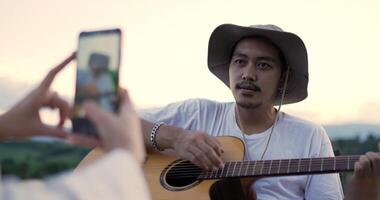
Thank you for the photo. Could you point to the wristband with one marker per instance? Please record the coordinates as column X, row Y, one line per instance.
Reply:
column 153, row 134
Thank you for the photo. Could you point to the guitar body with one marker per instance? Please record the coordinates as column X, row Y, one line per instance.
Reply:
column 191, row 189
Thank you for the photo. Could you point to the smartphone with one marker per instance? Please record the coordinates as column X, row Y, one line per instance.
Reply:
column 97, row 75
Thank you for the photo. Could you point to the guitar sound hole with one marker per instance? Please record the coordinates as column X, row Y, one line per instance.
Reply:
column 182, row 174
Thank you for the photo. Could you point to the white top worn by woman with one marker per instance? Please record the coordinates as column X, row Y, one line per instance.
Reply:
column 115, row 176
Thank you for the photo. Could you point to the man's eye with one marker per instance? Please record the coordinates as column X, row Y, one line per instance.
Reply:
column 264, row 66
column 239, row 61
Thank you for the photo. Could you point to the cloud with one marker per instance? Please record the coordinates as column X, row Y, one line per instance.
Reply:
column 369, row 112
column 306, row 114
column 12, row 91
column 364, row 112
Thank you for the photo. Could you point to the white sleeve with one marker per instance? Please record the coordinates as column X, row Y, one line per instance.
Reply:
column 115, row 176
column 325, row 186
column 180, row 114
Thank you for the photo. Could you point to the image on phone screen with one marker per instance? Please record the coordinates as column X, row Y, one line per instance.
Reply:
column 98, row 60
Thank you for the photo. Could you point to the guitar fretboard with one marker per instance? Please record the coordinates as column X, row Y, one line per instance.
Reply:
column 300, row 166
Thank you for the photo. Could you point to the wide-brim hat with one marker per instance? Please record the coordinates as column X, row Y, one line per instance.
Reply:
column 225, row 37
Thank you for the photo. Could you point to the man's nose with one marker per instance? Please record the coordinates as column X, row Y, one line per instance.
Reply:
column 249, row 74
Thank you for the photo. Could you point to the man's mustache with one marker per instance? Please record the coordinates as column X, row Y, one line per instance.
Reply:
column 249, row 85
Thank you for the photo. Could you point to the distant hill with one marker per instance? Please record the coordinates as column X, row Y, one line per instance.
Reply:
column 352, row 130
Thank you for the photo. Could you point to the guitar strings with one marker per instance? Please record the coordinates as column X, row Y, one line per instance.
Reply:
column 274, row 166
column 195, row 171
column 252, row 169
column 219, row 174
column 301, row 162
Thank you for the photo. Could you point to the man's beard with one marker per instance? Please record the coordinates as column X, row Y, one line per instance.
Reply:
column 248, row 105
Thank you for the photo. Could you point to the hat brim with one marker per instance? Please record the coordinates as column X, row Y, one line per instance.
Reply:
column 224, row 38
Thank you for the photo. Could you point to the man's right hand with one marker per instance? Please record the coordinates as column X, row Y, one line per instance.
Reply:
column 199, row 148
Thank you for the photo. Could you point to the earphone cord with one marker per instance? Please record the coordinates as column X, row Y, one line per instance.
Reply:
column 276, row 118
column 277, row 114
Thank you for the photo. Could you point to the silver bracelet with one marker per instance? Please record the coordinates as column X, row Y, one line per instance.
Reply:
column 153, row 134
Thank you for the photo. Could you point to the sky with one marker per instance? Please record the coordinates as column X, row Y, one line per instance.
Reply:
column 164, row 55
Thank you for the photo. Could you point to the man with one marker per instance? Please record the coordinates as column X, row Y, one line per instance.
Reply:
column 263, row 66
column 115, row 176
column 96, row 81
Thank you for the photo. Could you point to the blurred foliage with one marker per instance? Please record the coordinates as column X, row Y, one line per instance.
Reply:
column 36, row 159
column 355, row 146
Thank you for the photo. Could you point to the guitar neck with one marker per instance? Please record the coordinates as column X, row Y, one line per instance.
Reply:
column 282, row 167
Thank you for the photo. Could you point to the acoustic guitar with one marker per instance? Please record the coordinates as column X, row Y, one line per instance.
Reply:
column 171, row 178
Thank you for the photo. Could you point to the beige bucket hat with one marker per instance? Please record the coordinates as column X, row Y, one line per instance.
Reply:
column 224, row 38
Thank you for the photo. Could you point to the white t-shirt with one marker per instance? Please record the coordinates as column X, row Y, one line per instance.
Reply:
column 115, row 176
column 291, row 138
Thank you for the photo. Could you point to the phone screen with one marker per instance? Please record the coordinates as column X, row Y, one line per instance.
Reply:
column 98, row 61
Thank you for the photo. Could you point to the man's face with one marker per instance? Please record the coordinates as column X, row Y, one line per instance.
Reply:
column 254, row 71
column 96, row 68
